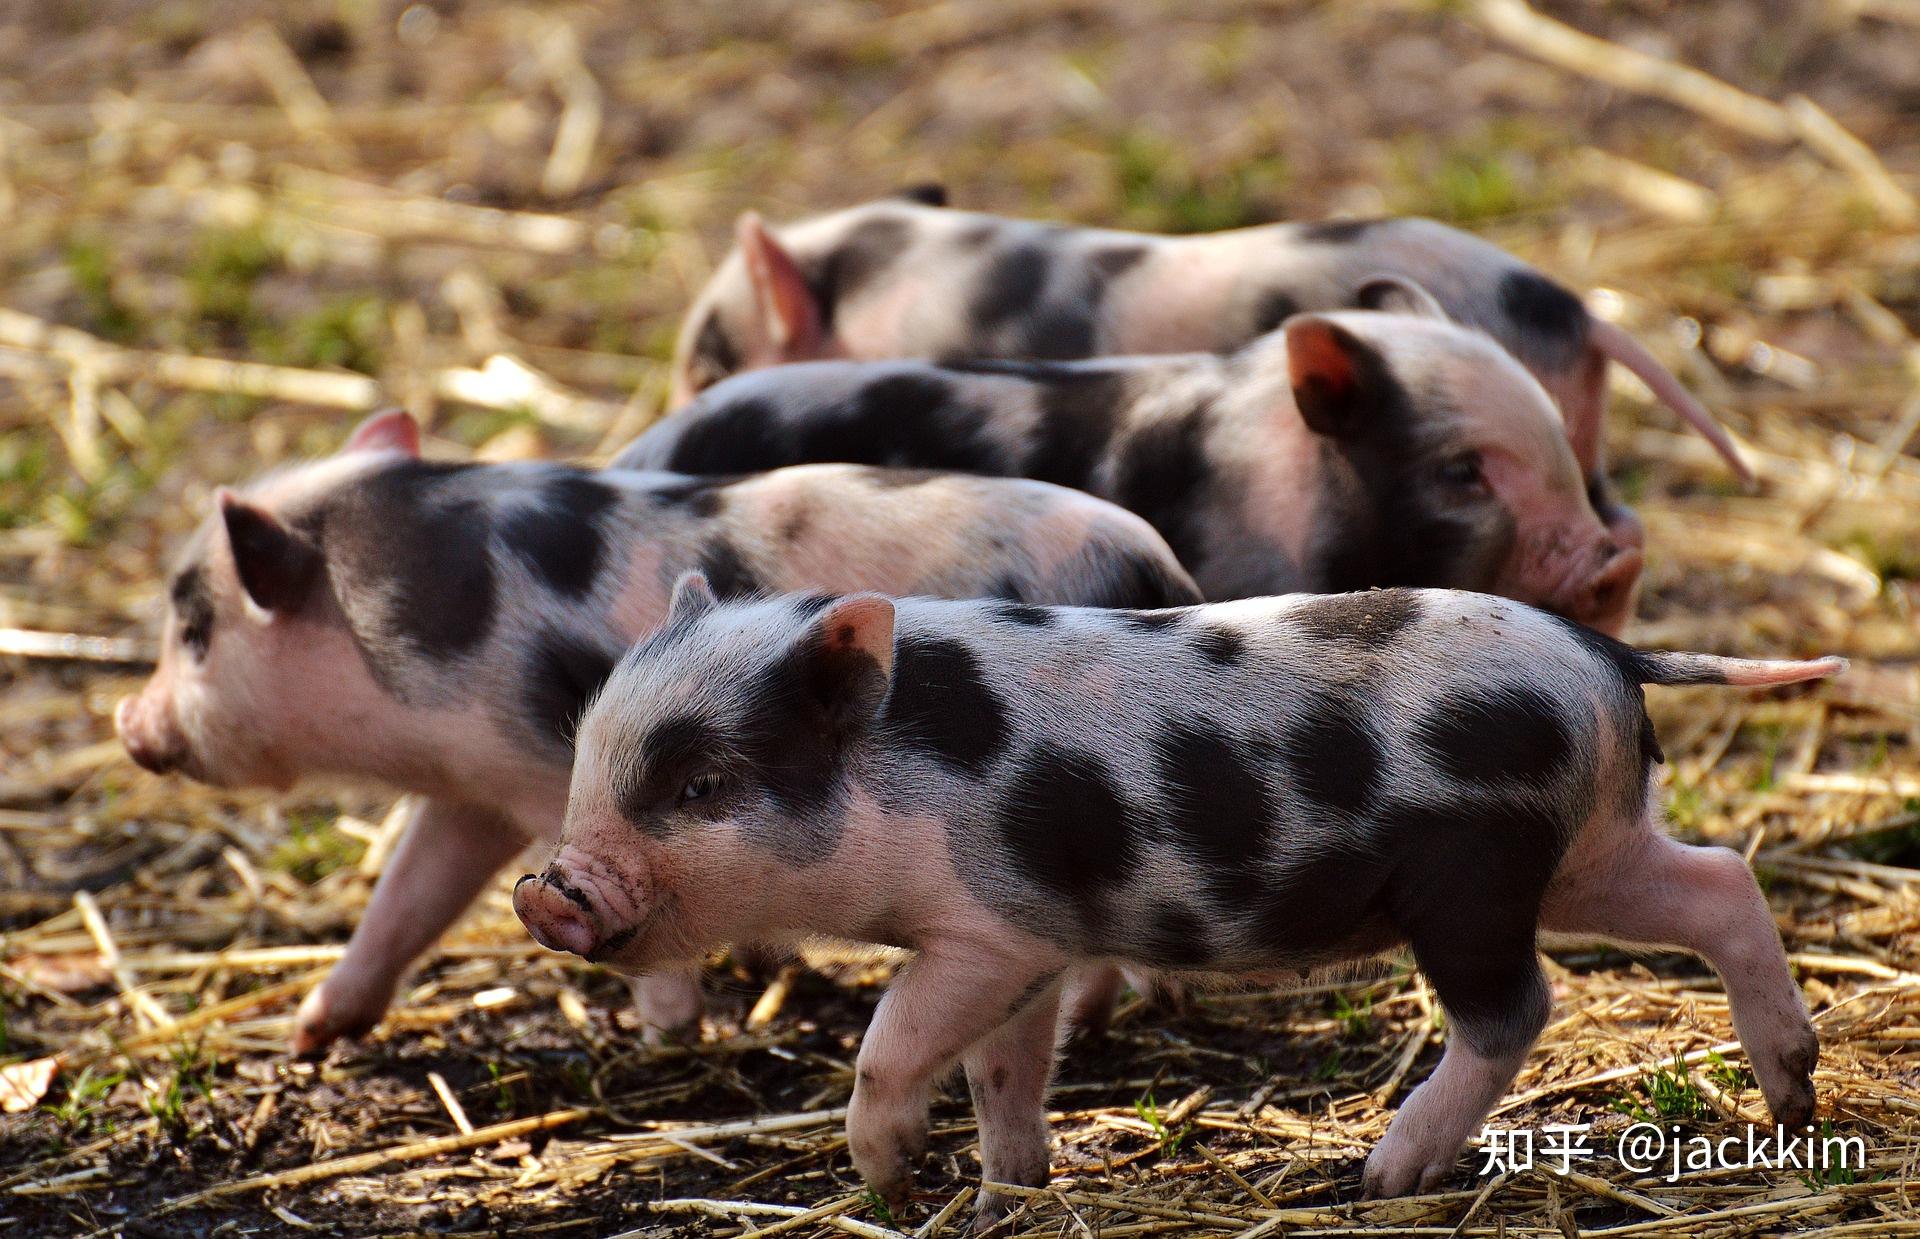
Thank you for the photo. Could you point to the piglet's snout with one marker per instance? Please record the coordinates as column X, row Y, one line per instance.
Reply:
column 557, row 913
column 143, row 729
column 1604, row 600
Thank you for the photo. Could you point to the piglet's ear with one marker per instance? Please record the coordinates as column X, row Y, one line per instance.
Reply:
column 849, row 658
column 691, row 597
column 276, row 565
column 390, row 430
column 1340, row 384
column 1396, row 294
column 789, row 316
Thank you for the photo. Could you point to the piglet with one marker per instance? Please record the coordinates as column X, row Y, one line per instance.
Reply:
column 905, row 277
column 1230, row 790
column 1341, row 451
column 439, row 627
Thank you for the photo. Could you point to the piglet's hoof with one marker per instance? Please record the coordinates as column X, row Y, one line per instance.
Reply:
column 319, row 1023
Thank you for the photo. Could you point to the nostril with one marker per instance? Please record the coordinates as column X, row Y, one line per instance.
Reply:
column 554, row 920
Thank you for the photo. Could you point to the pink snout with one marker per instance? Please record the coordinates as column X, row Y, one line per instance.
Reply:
column 557, row 913
column 1604, row 600
column 149, row 734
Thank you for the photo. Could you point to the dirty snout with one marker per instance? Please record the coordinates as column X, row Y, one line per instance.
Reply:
column 569, row 909
column 150, row 731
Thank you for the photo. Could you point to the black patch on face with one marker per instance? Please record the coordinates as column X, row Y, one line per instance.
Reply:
column 1509, row 732
column 1372, row 619
column 726, row 572
column 1336, row 231
column 1078, row 413
column 1333, row 754
column 1223, row 647
column 699, row 497
column 416, row 532
column 1175, row 937
column 563, row 672
column 1274, row 308
column 863, row 255
column 1221, row 813
column 1065, row 826
column 1543, row 313
column 648, row 781
column 942, row 704
column 1025, row 615
column 808, row 706
column 559, row 536
column 714, row 355
column 192, row 601
column 1163, row 474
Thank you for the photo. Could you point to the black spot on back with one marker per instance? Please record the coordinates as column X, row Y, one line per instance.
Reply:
column 1504, row 732
column 926, row 193
column 1332, row 753
column 420, row 539
column 1274, row 307
column 1011, row 285
column 1220, row 646
column 722, row 434
column 1136, row 580
column 1548, row 322
column 725, row 571
column 562, row 673
column 1336, row 231
column 559, row 535
column 702, row 497
column 1111, row 262
column 1162, row 473
column 1078, row 412
column 1066, row 827
column 1152, row 621
column 1025, row 615
column 1372, row 619
column 941, row 704
column 192, row 601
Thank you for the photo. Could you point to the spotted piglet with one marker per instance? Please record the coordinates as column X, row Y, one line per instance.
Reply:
column 439, row 627
column 1341, row 451
column 905, row 277
column 1237, row 789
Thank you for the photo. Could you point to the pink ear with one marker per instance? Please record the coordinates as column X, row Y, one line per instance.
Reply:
column 390, row 430
column 691, row 596
column 787, row 308
column 860, row 624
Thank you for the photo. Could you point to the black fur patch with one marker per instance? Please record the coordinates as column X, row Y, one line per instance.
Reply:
column 1136, row 580
column 192, row 601
column 1152, row 621
column 863, row 255
column 714, row 354
column 1336, row 231
column 1543, row 315
column 1176, row 937
column 723, row 434
column 1275, row 307
column 700, row 497
column 420, row 539
column 942, row 704
column 1163, row 474
column 1078, row 412
column 1065, row 826
column 1024, row 614
column 1372, row 619
column 559, row 536
column 1221, row 813
column 563, row 672
column 926, row 193
column 1333, row 754
column 648, row 780
column 1223, row 647
column 1111, row 262
column 725, row 571
column 1011, row 285
column 1505, row 732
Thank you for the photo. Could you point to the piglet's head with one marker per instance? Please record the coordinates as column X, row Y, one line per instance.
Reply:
column 759, row 309
column 250, row 652
column 718, row 749
column 1461, row 458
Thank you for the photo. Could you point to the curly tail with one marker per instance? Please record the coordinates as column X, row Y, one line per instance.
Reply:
column 1673, row 667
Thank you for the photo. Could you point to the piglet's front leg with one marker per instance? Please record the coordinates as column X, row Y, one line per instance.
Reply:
column 937, row 1007
column 449, row 853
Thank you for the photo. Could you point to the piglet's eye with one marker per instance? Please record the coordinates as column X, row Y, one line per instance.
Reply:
column 701, row 786
column 1463, row 471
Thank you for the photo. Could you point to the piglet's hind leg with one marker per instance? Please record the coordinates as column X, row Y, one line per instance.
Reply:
column 1007, row 1075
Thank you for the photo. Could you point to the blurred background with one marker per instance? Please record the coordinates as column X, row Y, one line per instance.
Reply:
column 228, row 230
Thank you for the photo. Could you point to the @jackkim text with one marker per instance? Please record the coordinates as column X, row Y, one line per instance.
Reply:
column 1670, row 1150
